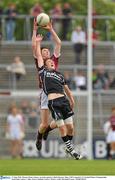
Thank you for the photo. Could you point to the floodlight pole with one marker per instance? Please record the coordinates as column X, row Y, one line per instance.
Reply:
column 89, row 80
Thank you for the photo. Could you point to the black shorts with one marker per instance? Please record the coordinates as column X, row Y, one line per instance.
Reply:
column 60, row 108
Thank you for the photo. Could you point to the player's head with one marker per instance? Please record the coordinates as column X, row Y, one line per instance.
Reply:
column 12, row 6
column 45, row 53
column 17, row 59
column 113, row 110
column 66, row 5
column 49, row 63
column 78, row 28
column 14, row 110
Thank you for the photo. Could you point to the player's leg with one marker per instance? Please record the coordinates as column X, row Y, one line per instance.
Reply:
column 53, row 125
column 108, row 151
column 44, row 129
column 13, row 143
column 63, row 132
column 70, row 130
column 55, row 107
column 57, row 116
column 50, row 127
column 18, row 148
column 69, row 124
column 44, row 117
column 113, row 150
column 113, row 144
column 70, row 127
column 67, row 114
column 19, row 144
column 21, row 148
column 69, row 146
column 68, row 119
column 12, row 146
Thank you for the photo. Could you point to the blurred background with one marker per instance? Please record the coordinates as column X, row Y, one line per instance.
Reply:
column 18, row 77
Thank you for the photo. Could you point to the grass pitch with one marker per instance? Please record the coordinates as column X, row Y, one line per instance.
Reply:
column 56, row 167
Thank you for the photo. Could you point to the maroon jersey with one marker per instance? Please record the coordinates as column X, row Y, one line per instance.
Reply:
column 39, row 80
column 112, row 121
column 55, row 59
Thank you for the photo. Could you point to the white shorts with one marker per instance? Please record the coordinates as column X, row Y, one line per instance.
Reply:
column 109, row 137
column 15, row 135
column 113, row 136
column 43, row 100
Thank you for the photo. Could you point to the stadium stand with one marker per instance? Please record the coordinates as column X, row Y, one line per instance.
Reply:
column 104, row 53
column 102, row 100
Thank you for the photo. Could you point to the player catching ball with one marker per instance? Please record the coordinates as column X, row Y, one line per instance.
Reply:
column 54, row 86
column 44, row 113
column 44, row 128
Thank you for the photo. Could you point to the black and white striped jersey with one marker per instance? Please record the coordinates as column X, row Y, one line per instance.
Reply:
column 53, row 81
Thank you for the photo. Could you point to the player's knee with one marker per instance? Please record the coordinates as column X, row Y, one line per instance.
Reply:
column 62, row 130
column 69, row 125
column 44, row 125
column 60, row 123
column 61, row 126
column 70, row 129
column 53, row 125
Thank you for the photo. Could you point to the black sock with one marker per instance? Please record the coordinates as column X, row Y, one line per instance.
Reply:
column 108, row 151
column 65, row 138
column 70, row 137
column 48, row 129
column 39, row 135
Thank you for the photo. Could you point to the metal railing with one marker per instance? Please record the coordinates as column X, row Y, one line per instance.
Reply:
column 28, row 82
column 102, row 109
column 24, row 25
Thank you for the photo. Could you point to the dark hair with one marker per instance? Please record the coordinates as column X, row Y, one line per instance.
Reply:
column 43, row 47
column 46, row 60
column 12, row 107
column 113, row 108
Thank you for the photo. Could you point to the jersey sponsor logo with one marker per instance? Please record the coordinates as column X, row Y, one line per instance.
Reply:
column 54, row 75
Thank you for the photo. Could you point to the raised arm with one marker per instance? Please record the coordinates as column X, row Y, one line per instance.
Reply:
column 38, row 50
column 34, row 37
column 70, row 96
column 56, row 39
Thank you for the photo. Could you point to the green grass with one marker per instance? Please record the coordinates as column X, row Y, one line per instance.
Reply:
column 56, row 167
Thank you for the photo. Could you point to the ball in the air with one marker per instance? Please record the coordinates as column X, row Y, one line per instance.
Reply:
column 43, row 19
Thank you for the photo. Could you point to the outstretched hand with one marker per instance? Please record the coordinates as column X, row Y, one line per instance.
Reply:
column 48, row 26
column 39, row 38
